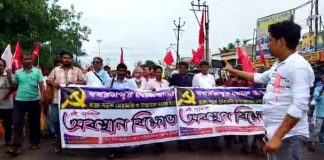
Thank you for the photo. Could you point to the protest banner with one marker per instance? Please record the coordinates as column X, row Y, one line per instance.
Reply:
column 101, row 118
column 219, row 111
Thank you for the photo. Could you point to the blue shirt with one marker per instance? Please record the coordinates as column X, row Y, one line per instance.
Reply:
column 319, row 105
column 103, row 76
column 181, row 80
column 318, row 84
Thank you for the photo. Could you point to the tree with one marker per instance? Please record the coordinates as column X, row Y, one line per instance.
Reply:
column 245, row 41
column 1, row 6
column 29, row 21
column 231, row 47
column 223, row 50
column 150, row 63
column 237, row 41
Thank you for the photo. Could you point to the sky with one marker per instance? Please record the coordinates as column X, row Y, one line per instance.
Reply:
column 144, row 28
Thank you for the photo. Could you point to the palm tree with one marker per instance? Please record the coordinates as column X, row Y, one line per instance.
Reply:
column 231, row 47
column 237, row 41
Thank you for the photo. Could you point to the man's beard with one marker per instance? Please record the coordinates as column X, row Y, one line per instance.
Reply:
column 67, row 65
column 27, row 65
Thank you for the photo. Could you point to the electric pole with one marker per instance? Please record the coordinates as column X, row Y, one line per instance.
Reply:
column 316, row 21
column 177, row 33
column 311, row 18
column 316, row 17
column 205, row 10
column 99, row 41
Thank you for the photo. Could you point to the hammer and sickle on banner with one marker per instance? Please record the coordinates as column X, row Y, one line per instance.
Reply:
column 187, row 97
column 76, row 99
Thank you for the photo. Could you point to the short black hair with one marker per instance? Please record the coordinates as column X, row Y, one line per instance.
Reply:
column 62, row 53
column 183, row 64
column 106, row 67
column 4, row 63
column 98, row 58
column 147, row 66
column 121, row 66
column 158, row 67
column 288, row 30
column 203, row 63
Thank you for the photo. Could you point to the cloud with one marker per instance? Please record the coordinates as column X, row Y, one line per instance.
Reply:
column 145, row 27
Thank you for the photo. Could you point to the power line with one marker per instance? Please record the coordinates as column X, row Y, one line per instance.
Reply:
column 303, row 5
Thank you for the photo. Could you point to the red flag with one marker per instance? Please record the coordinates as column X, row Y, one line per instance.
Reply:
column 168, row 59
column 35, row 52
column 261, row 53
column 121, row 59
column 193, row 59
column 200, row 53
column 197, row 56
column 16, row 60
column 201, row 37
column 244, row 60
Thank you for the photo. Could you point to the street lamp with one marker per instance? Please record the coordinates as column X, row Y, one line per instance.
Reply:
column 99, row 41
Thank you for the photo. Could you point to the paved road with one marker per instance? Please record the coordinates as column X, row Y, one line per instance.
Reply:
column 46, row 153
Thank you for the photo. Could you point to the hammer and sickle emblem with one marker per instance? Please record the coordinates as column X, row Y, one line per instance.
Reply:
column 76, row 99
column 188, row 97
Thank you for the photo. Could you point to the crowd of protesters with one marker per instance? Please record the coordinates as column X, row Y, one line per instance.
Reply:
column 36, row 93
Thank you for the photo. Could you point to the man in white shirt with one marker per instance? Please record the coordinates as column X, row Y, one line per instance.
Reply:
column 206, row 80
column 158, row 83
column 120, row 81
column 203, row 79
column 139, row 81
column 287, row 93
column 97, row 77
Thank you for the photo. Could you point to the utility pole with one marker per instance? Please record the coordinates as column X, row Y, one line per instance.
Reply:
column 316, row 21
column 316, row 17
column 205, row 10
column 99, row 41
column 311, row 18
column 254, row 44
column 177, row 32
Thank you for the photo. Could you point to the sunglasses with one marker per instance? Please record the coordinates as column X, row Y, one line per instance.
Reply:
column 96, row 62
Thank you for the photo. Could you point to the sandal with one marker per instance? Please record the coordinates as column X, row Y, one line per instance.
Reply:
column 57, row 148
column 14, row 151
column 34, row 147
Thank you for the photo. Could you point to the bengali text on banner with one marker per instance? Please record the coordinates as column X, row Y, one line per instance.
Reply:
column 100, row 117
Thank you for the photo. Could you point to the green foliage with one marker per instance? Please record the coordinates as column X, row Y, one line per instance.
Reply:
column 29, row 21
column 231, row 47
column 150, row 63
column 237, row 41
column 245, row 41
